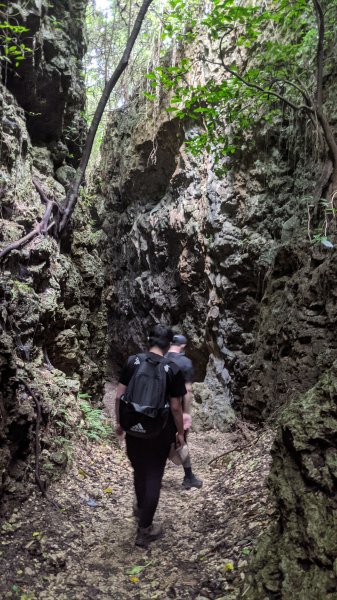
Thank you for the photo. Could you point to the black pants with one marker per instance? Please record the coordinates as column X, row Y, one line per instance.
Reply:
column 148, row 459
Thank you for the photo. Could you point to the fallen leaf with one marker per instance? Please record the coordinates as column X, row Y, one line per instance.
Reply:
column 108, row 490
column 138, row 568
column 134, row 579
column 135, row 570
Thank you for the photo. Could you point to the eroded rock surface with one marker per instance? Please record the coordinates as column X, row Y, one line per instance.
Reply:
column 297, row 558
column 225, row 259
column 49, row 85
column 231, row 261
column 52, row 319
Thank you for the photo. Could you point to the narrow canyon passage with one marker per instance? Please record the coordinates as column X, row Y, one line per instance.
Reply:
column 209, row 204
column 86, row 550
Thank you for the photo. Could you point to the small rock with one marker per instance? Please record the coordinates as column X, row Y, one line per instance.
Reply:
column 65, row 175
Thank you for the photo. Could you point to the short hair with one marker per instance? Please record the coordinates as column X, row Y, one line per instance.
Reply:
column 161, row 336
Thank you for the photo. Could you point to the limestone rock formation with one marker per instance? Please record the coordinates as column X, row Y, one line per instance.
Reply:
column 52, row 319
column 49, row 85
column 297, row 558
column 175, row 253
column 231, row 261
column 226, row 259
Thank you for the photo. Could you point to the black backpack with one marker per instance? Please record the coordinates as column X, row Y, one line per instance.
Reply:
column 144, row 407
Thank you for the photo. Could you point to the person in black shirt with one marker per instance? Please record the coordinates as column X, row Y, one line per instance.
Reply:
column 148, row 456
column 176, row 354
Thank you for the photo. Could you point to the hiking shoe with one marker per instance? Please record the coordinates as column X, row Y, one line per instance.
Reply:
column 146, row 535
column 189, row 482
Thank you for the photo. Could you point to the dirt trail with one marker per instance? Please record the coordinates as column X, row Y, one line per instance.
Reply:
column 86, row 551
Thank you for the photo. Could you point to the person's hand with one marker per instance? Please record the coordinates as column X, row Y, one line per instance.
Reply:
column 180, row 441
column 119, row 431
column 187, row 420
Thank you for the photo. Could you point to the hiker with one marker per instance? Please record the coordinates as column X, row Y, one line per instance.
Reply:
column 148, row 409
column 176, row 354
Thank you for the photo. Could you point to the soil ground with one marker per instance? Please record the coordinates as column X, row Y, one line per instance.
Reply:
column 86, row 550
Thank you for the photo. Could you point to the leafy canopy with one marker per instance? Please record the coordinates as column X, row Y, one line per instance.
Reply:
column 264, row 63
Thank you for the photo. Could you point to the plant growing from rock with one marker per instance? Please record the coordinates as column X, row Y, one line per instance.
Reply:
column 13, row 51
column 94, row 424
column 283, row 53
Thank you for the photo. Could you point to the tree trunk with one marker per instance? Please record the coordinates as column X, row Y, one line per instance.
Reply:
column 331, row 143
column 73, row 191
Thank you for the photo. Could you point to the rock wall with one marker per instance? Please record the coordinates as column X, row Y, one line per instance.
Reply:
column 297, row 558
column 52, row 74
column 227, row 260
column 52, row 319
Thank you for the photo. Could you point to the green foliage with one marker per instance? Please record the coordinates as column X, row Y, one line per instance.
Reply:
column 94, row 423
column 329, row 213
column 86, row 198
column 136, row 569
column 13, row 50
column 181, row 19
column 170, row 77
column 276, row 43
column 108, row 32
column 20, row 290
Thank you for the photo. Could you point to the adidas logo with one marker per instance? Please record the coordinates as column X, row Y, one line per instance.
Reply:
column 137, row 361
column 138, row 427
column 167, row 368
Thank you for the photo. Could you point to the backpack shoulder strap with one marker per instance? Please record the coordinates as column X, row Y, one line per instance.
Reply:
column 136, row 359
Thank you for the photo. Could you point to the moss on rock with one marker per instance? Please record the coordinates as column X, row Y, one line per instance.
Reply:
column 296, row 558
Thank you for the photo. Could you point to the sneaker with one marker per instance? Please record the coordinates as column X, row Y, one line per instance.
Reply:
column 189, row 482
column 146, row 535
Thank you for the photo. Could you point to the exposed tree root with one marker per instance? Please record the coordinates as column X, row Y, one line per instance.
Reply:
column 41, row 485
column 43, row 227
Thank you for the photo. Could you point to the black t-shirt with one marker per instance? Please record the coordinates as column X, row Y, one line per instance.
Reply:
column 175, row 384
column 184, row 364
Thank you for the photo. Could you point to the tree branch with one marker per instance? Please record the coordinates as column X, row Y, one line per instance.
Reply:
column 72, row 194
column 328, row 134
column 43, row 195
column 260, row 88
column 319, row 53
column 22, row 241
column 43, row 227
column 296, row 86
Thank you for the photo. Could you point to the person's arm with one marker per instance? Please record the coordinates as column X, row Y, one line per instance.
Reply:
column 177, row 413
column 187, row 400
column 119, row 392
